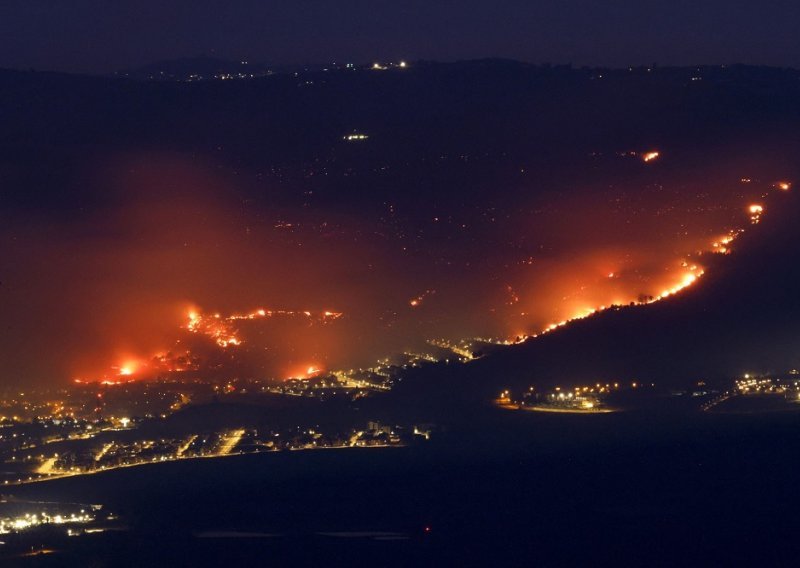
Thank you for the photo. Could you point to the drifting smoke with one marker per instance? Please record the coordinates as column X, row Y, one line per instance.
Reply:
column 159, row 274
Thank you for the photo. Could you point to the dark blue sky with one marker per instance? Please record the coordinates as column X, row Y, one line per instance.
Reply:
column 104, row 35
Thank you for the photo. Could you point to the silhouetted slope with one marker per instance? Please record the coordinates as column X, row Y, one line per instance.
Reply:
column 743, row 315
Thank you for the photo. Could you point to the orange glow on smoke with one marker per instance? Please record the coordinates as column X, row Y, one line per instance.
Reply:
column 128, row 368
column 589, row 257
column 305, row 372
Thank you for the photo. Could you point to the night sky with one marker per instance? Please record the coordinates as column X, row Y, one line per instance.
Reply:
column 98, row 36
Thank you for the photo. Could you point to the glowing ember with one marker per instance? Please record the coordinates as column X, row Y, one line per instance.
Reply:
column 650, row 156
column 755, row 213
column 416, row 302
column 218, row 329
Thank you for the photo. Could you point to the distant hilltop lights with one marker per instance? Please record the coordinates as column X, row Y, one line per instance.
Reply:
column 383, row 66
column 355, row 137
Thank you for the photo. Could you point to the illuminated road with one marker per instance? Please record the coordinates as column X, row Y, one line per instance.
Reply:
column 568, row 410
column 47, row 467
column 60, row 474
column 558, row 409
column 708, row 406
column 185, row 447
column 103, row 451
column 230, row 442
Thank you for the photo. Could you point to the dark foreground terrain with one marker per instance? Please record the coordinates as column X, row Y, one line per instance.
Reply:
column 657, row 486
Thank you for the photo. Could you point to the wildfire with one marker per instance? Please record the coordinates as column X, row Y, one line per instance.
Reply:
column 692, row 272
column 609, row 274
column 650, row 156
column 215, row 327
column 721, row 246
column 306, row 372
column 755, row 213
column 221, row 329
column 417, row 301
column 128, row 368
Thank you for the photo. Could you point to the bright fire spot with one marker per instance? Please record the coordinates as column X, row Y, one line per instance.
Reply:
column 721, row 246
column 127, row 369
column 650, row 156
column 755, row 213
column 416, row 302
column 784, row 185
column 308, row 372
